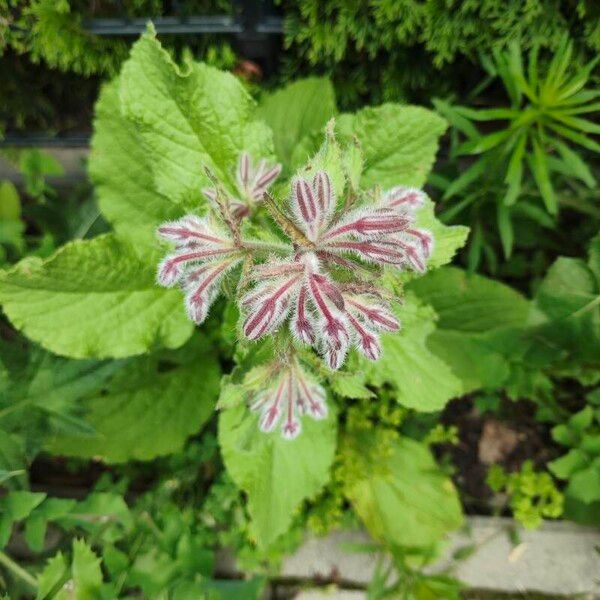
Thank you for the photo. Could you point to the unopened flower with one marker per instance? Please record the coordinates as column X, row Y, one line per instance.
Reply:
column 325, row 313
column 204, row 253
column 289, row 395
column 252, row 183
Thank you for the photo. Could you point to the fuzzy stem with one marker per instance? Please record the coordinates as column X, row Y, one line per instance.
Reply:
column 265, row 246
column 288, row 226
column 224, row 208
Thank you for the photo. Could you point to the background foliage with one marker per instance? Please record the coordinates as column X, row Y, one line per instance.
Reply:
column 108, row 391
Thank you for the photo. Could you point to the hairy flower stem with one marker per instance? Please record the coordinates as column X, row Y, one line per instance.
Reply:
column 265, row 246
column 287, row 226
column 224, row 208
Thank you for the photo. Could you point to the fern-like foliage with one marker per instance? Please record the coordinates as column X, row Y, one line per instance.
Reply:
column 387, row 49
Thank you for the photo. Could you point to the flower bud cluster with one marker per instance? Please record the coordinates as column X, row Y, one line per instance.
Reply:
column 319, row 284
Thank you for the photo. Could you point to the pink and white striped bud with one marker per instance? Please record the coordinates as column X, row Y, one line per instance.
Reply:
column 304, row 203
column 378, row 315
column 192, row 230
column 367, row 342
column 286, row 398
column 325, row 196
column 301, row 320
column 172, row 268
column 253, row 183
column 384, row 252
column 404, row 197
column 269, row 305
column 202, row 287
column 370, row 224
column 311, row 397
column 203, row 254
column 425, row 238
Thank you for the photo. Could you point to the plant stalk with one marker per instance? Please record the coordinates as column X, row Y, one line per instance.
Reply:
column 17, row 570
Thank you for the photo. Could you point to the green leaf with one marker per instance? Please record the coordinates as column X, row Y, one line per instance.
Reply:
column 14, row 507
column 594, row 257
column 505, row 229
column 351, row 383
column 487, row 114
column 484, row 143
column 399, row 492
column 568, row 464
column 10, row 203
column 475, row 248
column 422, row 380
column 585, row 484
column 277, row 474
column 51, row 578
column 53, row 384
column 476, row 317
column 150, row 407
column 576, row 164
column 576, row 123
column 35, row 165
column 94, row 298
column 37, row 521
column 252, row 589
column 104, row 513
column 568, row 288
column 120, row 167
column 447, row 238
column 86, row 571
column 82, row 579
column 471, row 303
column 466, row 178
column 569, row 298
column 12, row 459
column 189, row 117
column 329, row 157
column 399, row 143
column 575, row 136
column 514, row 173
column 539, row 167
column 456, row 118
column 297, row 110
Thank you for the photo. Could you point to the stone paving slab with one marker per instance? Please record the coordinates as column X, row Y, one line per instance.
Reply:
column 330, row 594
column 558, row 558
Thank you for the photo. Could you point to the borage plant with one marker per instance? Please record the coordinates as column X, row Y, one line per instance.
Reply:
column 314, row 289
column 291, row 232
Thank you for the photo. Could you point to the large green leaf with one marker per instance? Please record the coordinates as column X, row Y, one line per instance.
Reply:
column 150, row 407
column 569, row 298
column 189, row 117
column 120, row 168
column 470, row 302
column 422, row 380
column 447, row 239
column 50, row 386
column 296, row 111
column 398, row 490
column 93, row 298
column 399, row 143
column 480, row 325
column 277, row 474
